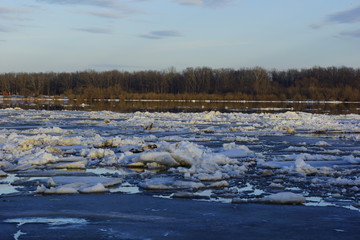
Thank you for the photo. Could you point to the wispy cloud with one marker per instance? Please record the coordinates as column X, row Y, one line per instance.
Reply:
column 347, row 16
column 354, row 34
column 206, row 3
column 161, row 34
column 95, row 30
column 4, row 28
column 105, row 14
column 113, row 9
column 99, row 3
column 12, row 13
column 7, row 10
column 190, row 2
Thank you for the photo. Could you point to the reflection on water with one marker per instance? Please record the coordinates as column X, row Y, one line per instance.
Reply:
column 331, row 107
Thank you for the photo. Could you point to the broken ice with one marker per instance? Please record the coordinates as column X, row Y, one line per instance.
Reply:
column 282, row 156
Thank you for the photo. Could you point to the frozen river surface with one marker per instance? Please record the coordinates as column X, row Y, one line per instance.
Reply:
column 291, row 157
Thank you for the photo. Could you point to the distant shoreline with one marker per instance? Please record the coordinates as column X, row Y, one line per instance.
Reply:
column 200, row 83
column 146, row 98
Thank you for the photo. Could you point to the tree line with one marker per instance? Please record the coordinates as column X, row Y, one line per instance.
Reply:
column 317, row 83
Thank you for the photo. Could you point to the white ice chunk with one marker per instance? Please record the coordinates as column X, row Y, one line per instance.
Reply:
column 4, row 163
column 157, row 183
column 71, row 165
column 97, row 153
column 240, row 139
column 237, row 153
column 303, row 167
column 351, row 159
column 220, row 184
column 233, row 151
column 87, row 180
column 61, row 190
column 216, row 176
column 2, row 173
column 311, row 157
column 160, row 158
column 21, row 167
column 322, row 144
column 51, row 182
column 296, row 149
column 98, row 188
column 45, row 130
column 38, row 158
column 284, row 198
column 345, row 182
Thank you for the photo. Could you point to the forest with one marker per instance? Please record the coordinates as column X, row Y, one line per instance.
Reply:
column 316, row 83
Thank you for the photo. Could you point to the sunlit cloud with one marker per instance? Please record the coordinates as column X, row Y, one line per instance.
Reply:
column 161, row 34
column 95, row 30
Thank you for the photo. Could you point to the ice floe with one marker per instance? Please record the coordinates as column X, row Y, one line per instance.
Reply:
column 284, row 198
column 67, row 152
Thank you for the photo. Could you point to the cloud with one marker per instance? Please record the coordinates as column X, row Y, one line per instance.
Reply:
column 160, row 34
column 206, row 3
column 347, row 16
column 11, row 13
column 191, row 2
column 111, row 15
column 116, row 9
column 98, row 3
column 6, row 10
column 4, row 28
column 95, row 30
column 354, row 34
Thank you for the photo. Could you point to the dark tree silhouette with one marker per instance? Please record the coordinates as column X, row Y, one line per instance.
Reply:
column 317, row 83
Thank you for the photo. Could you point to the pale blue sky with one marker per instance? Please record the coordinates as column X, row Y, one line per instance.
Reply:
column 76, row 35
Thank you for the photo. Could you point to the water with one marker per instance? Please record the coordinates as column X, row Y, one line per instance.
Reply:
column 117, row 105
column 313, row 152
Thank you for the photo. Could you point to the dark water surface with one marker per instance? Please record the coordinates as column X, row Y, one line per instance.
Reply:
column 330, row 107
column 119, row 216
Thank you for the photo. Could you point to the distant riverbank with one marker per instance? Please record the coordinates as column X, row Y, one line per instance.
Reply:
column 178, row 105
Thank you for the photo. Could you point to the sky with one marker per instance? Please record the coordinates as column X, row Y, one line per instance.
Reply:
column 134, row 35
